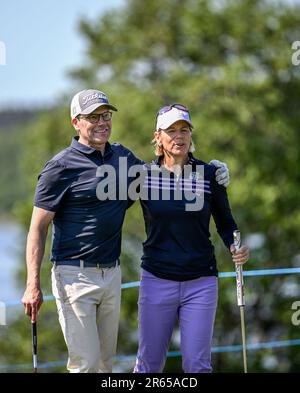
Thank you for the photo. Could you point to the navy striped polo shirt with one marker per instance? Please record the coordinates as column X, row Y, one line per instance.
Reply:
column 178, row 245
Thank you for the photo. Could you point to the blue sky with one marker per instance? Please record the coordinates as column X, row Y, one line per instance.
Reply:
column 42, row 43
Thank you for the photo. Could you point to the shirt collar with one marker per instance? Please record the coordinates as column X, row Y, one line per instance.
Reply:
column 88, row 149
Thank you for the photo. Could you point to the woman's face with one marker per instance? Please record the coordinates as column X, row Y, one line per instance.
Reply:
column 175, row 140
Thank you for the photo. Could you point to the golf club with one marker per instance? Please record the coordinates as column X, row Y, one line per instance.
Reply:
column 240, row 295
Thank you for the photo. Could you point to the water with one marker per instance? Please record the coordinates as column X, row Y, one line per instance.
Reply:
column 11, row 248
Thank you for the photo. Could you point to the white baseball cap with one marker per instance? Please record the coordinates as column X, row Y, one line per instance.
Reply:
column 86, row 101
column 170, row 114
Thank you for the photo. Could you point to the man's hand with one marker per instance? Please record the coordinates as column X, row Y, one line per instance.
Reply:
column 32, row 300
column 222, row 173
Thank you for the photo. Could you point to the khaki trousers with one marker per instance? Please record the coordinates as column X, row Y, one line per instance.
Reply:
column 88, row 304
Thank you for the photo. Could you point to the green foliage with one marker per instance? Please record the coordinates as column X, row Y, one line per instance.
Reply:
column 230, row 63
column 12, row 125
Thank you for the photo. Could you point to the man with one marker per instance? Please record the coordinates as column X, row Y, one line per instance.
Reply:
column 86, row 275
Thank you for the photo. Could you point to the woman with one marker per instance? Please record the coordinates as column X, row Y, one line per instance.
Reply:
column 179, row 273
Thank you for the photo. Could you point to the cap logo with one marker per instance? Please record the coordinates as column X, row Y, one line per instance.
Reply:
column 185, row 115
column 93, row 98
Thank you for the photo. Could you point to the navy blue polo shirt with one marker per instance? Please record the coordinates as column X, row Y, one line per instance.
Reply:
column 84, row 227
column 178, row 245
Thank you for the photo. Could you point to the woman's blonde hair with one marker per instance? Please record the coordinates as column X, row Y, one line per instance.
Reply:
column 158, row 150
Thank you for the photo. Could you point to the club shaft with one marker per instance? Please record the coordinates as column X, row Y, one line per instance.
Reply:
column 244, row 339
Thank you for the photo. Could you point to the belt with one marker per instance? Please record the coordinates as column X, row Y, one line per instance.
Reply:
column 81, row 263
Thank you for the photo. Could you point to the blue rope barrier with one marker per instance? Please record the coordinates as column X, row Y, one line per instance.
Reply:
column 249, row 273
column 265, row 272
column 129, row 358
column 220, row 349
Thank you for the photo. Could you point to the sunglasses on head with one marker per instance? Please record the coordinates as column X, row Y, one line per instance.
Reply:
column 167, row 108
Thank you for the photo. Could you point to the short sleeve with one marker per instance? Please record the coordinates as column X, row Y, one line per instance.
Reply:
column 52, row 186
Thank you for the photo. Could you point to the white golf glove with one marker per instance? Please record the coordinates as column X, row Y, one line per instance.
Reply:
column 222, row 173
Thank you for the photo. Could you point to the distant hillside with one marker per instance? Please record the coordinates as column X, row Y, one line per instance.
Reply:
column 12, row 125
column 10, row 119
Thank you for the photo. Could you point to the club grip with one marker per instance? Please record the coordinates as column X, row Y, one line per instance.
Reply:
column 237, row 239
column 239, row 271
column 34, row 344
column 34, row 337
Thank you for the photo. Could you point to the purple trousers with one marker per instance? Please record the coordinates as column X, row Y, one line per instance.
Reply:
column 160, row 302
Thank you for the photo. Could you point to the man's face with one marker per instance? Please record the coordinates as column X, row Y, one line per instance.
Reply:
column 91, row 133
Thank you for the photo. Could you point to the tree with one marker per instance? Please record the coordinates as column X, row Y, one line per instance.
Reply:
column 230, row 63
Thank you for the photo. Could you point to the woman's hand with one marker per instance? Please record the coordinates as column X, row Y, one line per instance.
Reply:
column 241, row 255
